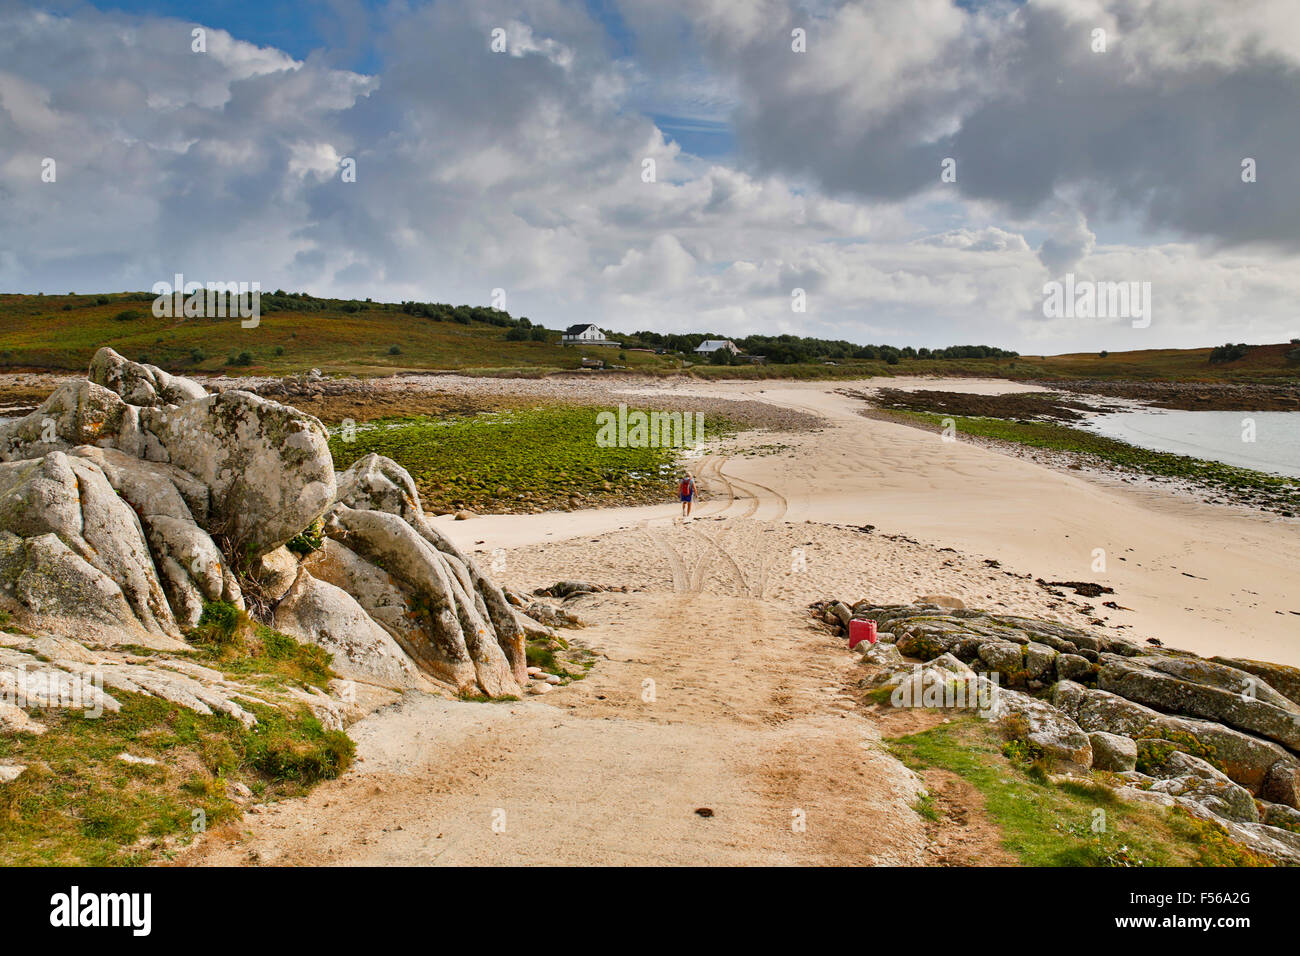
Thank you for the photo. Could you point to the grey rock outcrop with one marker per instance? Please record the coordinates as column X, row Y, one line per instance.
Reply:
column 1113, row 752
column 130, row 500
column 1218, row 737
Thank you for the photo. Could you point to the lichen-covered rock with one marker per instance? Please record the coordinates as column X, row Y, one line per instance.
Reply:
column 77, row 413
column 274, row 573
column 1136, row 680
column 267, row 466
column 1278, row 815
column 1211, row 674
column 1182, row 775
column 55, row 589
column 70, row 499
column 375, row 483
column 1004, row 657
column 1059, row 737
column 1075, row 667
column 1282, row 783
column 322, row 614
column 450, row 636
column 942, row 683
column 140, row 384
column 880, row 655
column 1040, row 660
column 1281, row 677
column 1112, row 752
column 1246, row 759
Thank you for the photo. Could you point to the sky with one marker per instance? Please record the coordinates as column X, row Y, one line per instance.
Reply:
column 675, row 165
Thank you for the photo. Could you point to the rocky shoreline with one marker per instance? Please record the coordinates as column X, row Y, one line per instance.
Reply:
column 1188, row 396
column 1218, row 737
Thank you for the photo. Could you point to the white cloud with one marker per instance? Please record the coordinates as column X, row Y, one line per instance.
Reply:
column 478, row 170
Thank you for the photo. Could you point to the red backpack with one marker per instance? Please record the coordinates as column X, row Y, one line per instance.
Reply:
column 687, row 486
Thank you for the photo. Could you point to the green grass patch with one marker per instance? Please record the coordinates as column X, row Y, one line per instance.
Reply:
column 78, row 804
column 1078, row 823
column 517, row 460
column 228, row 639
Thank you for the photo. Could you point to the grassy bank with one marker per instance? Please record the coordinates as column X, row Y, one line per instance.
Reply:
column 517, row 461
column 1044, row 823
column 79, row 803
column 1272, row 492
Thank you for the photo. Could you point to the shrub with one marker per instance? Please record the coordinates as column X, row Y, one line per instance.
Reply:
column 394, row 350
column 243, row 358
column 218, row 624
column 128, row 315
column 279, row 350
column 308, row 540
column 103, row 300
column 197, row 355
column 1228, row 353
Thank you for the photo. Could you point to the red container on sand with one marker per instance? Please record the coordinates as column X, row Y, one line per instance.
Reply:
column 860, row 631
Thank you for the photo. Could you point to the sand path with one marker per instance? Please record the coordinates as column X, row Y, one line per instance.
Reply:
column 702, row 701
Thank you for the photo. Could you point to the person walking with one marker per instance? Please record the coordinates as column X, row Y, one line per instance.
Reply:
column 686, row 491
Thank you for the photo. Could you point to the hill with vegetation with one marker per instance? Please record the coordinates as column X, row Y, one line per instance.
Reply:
column 297, row 332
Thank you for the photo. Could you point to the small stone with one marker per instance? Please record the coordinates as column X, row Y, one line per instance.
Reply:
column 942, row 600
column 11, row 772
column 133, row 759
column 536, row 688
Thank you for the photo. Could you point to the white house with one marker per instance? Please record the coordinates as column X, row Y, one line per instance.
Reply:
column 585, row 334
column 709, row 346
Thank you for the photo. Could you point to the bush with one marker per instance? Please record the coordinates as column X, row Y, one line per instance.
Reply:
column 279, row 350
column 218, row 624
column 394, row 350
column 103, row 300
column 1228, row 353
column 308, row 540
column 128, row 315
column 197, row 355
column 243, row 358
column 538, row 334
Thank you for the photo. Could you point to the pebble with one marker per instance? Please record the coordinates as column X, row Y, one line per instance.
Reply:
column 11, row 772
column 539, row 688
column 132, row 758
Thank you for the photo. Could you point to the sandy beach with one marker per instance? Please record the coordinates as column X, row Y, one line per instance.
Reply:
column 752, row 710
column 1208, row 578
